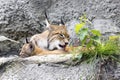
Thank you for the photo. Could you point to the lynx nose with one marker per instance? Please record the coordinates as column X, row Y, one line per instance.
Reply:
column 66, row 43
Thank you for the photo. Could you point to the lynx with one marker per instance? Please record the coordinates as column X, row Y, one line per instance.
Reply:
column 52, row 41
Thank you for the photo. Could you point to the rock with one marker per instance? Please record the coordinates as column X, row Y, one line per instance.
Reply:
column 18, row 71
column 96, row 70
column 105, row 26
column 7, row 46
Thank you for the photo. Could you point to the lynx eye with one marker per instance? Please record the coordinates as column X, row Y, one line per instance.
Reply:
column 61, row 35
column 31, row 47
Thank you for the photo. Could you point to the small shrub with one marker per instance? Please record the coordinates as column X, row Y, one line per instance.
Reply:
column 91, row 45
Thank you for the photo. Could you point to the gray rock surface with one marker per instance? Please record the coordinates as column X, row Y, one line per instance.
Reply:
column 47, row 72
column 96, row 70
column 21, row 18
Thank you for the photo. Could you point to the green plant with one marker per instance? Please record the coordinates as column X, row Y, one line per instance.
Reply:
column 91, row 40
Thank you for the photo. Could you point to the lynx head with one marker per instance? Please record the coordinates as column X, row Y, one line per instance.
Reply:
column 27, row 49
column 58, row 37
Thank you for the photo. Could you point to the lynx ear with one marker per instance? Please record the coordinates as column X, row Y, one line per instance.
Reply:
column 47, row 21
column 26, row 40
column 47, row 24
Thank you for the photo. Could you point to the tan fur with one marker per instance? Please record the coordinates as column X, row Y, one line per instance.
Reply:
column 55, row 37
column 29, row 49
column 47, row 37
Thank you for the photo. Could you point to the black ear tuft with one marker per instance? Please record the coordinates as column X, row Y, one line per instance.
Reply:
column 47, row 21
column 26, row 40
column 62, row 22
column 46, row 15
